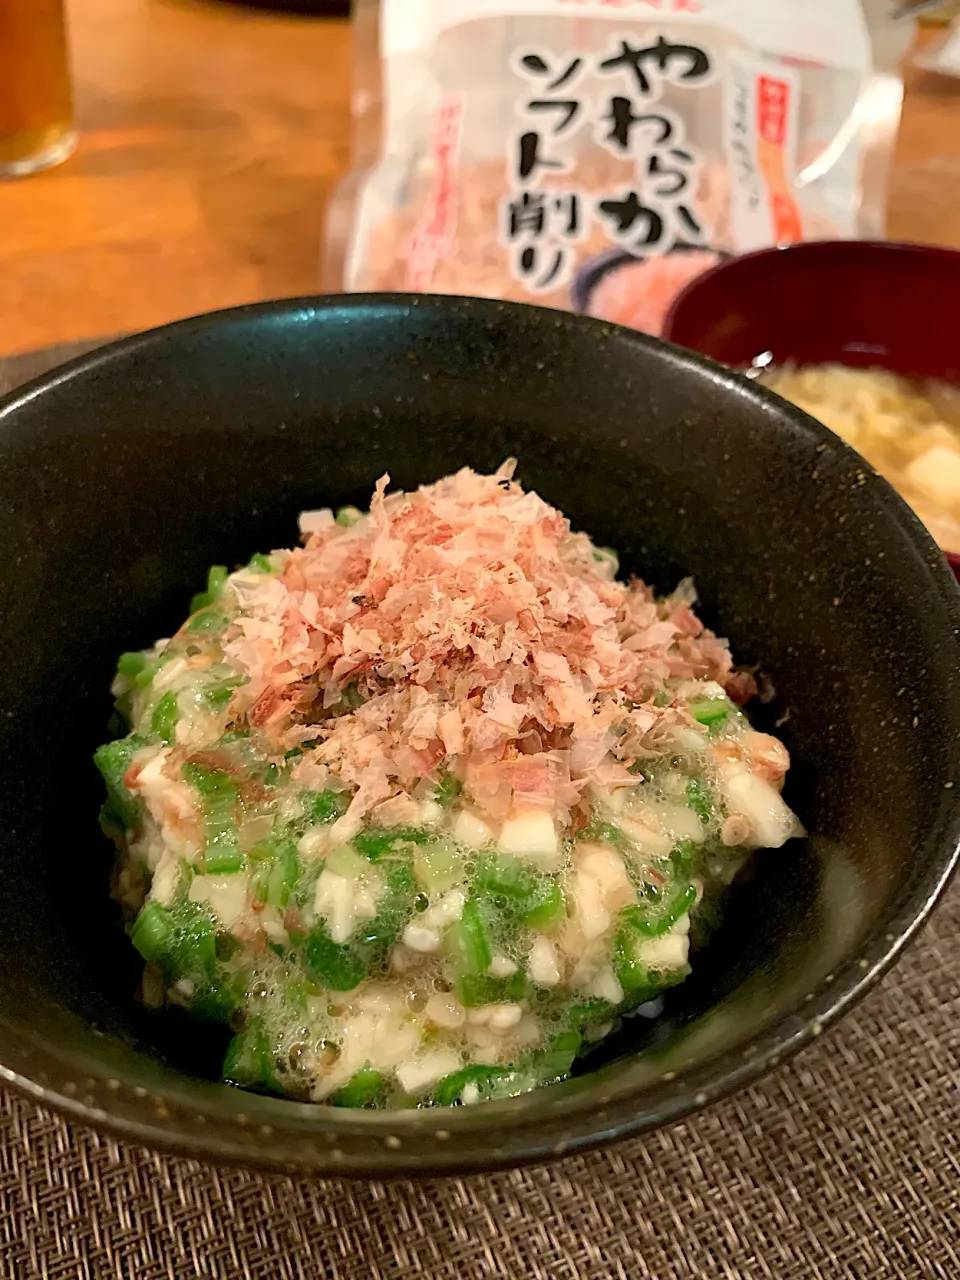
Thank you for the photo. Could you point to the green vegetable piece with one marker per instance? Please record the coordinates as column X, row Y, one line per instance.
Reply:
column 217, row 1003
column 281, row 873
column 682, row 859
column 439, row 866
column 502, row 874
column 152, row 932
column 536, row 901
column 217, row 695
column 163, row 722
column 271, row 775
column 297, row 991
column 207, row 620
column 345, row 861
column 555, row 1062
column 182, row 943
column 342, row 966
column 179, row 940
column 223, row 862
column 449, row 1091
column 470, row 945
column 219, row 998
column 606, row 555
column 212, row 784
column 323, row 806
column 589, row 1013
column 659, row 909
column 640, row 983
column 260, row 563
column 131, row 664
column 632, row 974
column 194, row 948
column 545, row 1066
column 546, row 907
column 222, row 850
column 374, row 843
column 396, row 908
column 113, row 760
column 710, row 712
column 475, row 989
column 468, row 941
column 333, row 964
column 604, row 832
column 219, row 794
column 651, row 918
column 145, row 675
column 251, row 1060
column 348, row 516
column 447, row 790
column 216, row 580
column 365, row 1088
column 227, row 946
column 700, row 798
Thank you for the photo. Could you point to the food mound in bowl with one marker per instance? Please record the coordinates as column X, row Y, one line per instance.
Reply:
column 422, row 807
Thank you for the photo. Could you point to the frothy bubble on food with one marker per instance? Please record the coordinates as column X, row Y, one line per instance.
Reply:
column 422, row 807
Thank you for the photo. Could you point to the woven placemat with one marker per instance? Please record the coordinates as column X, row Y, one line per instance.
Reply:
column 844, row 1164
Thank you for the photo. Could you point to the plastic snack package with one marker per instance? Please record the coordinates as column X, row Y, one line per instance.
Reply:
column 943, row 54
column 597, row 155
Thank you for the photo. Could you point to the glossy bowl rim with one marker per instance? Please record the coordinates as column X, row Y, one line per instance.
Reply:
column 805, row 249
column 639, row 1109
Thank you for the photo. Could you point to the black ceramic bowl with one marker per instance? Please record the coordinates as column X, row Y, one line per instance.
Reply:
column 123, row 475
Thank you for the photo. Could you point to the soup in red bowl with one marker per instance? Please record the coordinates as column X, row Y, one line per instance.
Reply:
column 862, row 335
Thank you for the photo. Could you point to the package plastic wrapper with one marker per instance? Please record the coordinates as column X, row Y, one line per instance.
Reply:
column 597, row 155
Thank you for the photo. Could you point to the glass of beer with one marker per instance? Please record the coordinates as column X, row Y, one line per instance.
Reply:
column 36, row 108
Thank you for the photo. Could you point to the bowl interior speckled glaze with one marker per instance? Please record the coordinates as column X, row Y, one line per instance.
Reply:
column 125, row 474
column 856, row 302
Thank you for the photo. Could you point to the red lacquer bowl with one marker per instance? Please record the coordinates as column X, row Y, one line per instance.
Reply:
column 857, row 302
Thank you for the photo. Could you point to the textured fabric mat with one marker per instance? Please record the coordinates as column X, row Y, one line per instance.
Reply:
column 844, row 1164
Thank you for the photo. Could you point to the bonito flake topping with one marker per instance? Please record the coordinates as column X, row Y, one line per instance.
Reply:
column 478, row 633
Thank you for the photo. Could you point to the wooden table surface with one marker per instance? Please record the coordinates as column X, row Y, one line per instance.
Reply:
column 211, row 137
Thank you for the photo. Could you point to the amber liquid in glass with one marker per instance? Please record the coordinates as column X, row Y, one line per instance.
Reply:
column 36, row 109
